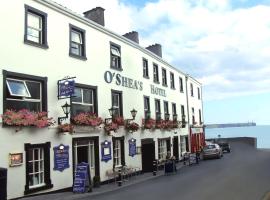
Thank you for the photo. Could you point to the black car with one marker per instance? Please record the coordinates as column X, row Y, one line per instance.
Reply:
column 225, row 146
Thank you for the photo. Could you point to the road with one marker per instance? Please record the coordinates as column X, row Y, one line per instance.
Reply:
column 243, row 174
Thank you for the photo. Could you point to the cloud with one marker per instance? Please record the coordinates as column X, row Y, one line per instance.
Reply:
column 223, row 45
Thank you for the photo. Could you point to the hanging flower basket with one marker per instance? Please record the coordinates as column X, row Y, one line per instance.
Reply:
column 148, row 123
column 26, row 118
column 62, row 128
column 132, row 127
column 119, row 121
column 110, row 127
column 87, row 119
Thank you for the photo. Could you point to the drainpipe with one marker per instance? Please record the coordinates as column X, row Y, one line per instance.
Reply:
column 188, row 114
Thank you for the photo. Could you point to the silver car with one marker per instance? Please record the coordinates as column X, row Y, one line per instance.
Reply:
column 212, row 151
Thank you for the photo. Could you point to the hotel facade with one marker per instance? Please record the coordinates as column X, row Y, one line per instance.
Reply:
column 50, row 50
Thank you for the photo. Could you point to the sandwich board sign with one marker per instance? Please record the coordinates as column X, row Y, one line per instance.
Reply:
column 82, row 179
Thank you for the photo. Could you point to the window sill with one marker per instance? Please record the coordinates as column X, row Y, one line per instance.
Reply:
column 147, row 77
column 42, row 46
column 173, row 88
column 37, row 189
column 181, row 91
column 157, row 82
column 165, row 85
column 78, row 57
column 118, row 69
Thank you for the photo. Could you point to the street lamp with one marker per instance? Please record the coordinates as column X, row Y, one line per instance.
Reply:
column 133, row 114
column 112, row 112
column 167, row 116
column 66, row 110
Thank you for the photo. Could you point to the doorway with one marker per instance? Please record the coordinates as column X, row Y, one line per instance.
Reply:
column 148, row 154
column 176, row 148
column 86, row 150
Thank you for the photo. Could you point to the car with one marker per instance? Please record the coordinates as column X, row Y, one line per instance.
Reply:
column 225, row 146
column 212, row 151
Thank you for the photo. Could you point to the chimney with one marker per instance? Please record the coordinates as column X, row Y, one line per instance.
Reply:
column 96, row 15
column 134, row 36
column 156, row 49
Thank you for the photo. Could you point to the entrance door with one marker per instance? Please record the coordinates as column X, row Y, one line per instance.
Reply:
column 84, row 152
column 148, row 154
column 187, row 144
column 176, row 147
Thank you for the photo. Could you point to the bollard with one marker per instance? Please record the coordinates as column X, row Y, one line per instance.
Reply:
column 119, row 178
column 154, row 167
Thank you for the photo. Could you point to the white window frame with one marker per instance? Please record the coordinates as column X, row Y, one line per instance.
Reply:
column 117, row 153
column 162, row 149
column 117, row 107
column 172, row 80
column 17, row 95
column 78, row 44
column 145, row 68
column 40, row 29
column 155, row 73
column 115, row 57
column 164, row 77
column 41, row 172
column 183, row 144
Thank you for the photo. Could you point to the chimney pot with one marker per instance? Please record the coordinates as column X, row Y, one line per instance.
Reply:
column 133, row 35
column 156, row 49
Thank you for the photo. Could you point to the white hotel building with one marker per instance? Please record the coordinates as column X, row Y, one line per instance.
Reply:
column 45, row 42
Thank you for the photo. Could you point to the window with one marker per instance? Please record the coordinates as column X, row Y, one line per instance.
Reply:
column 191, row 89
column 146, row 106
column 115, row 56
column 181, row 84
column 84, row 100
column 172, row 80
column 200, row 116
column 118, row 151
column 37, row 167
column 166, row 110
column 155, row 73
column 117, row 102
column 199, row 94
column 193, row 115
column 35, row 27
column 162, row 150
column 22, row 91
column 174, row 111
column 183, row 112
column 157, row 107
column 77, row 42
column 164, row 77
column 145, row 68
column 183, row 144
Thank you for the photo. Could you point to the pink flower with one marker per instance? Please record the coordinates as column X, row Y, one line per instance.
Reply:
column 87, row 119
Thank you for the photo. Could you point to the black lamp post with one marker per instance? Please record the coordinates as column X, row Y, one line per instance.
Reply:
column 133, row 114
column 112, row 112
column 167, row 116
column 66, row 110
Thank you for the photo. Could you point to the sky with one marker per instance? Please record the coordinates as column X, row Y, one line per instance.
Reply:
column 225, row 44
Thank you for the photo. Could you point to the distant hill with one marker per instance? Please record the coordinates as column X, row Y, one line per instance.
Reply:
column 230, row 125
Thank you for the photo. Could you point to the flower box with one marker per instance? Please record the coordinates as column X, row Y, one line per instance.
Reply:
column 87, row 119
column 119, row 121
column 148, row 123
column 110, row 127
column 132, row 127
column 62, row 128
column 26, row 118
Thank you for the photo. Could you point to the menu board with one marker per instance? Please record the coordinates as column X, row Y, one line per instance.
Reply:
column 82, row 179
column 132, row 147
column 61, row 157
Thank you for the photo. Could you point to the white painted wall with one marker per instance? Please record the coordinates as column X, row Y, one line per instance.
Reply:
column 55, row 63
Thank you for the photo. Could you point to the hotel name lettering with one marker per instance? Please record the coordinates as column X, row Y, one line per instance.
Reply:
column 120, row 80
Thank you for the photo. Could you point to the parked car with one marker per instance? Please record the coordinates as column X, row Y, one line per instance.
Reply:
column 225, row 146
column 212, row 151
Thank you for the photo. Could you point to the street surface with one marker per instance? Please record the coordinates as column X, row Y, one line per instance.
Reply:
column 243, row 174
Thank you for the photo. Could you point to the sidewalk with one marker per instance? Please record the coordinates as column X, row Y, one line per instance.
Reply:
column 106, row 188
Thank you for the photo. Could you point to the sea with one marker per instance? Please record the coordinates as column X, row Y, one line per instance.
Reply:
column 261, row 132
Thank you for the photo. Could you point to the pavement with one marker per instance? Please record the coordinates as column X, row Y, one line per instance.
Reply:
column 104, row 188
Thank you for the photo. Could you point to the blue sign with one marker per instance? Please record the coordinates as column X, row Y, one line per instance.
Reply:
column 82, row 178
column 106, row 154
column 61, row 157
column 132, row 147
column 66, row 88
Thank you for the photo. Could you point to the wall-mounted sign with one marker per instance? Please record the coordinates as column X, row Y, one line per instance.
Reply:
column 106, row 153
column 15, row 159
column 120, row 80
column 158, row 91
column 66, row 87
column 61, row 157
column 82, row 179
column 132, row 147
